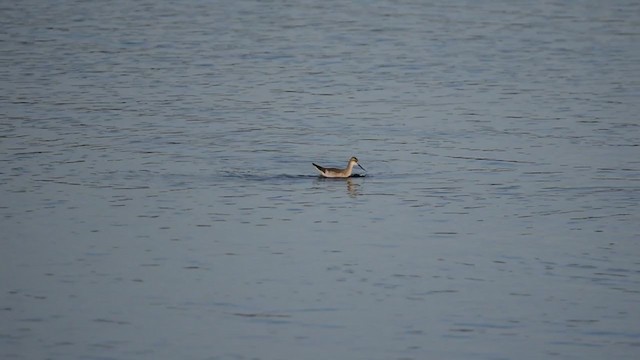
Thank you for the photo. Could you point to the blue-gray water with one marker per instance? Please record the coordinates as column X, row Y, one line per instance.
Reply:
column 157, row 199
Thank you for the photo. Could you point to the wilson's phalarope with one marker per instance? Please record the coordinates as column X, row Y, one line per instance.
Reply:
column 339, row 173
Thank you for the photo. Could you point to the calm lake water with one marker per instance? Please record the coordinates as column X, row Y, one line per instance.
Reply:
column 157, row 199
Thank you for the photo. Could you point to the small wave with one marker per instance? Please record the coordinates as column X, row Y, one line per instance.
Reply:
column 252, row 176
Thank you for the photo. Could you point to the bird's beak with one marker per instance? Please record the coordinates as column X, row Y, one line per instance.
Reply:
column 360, row 166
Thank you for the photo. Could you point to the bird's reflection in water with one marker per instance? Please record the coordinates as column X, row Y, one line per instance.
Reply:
column 353, row 187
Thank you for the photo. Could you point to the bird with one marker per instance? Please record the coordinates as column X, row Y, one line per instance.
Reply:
column 338, row 173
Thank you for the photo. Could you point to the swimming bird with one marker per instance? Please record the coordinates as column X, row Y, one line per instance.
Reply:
column 339, row 173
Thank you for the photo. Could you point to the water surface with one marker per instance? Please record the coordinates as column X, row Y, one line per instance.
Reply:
column 158, row 199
